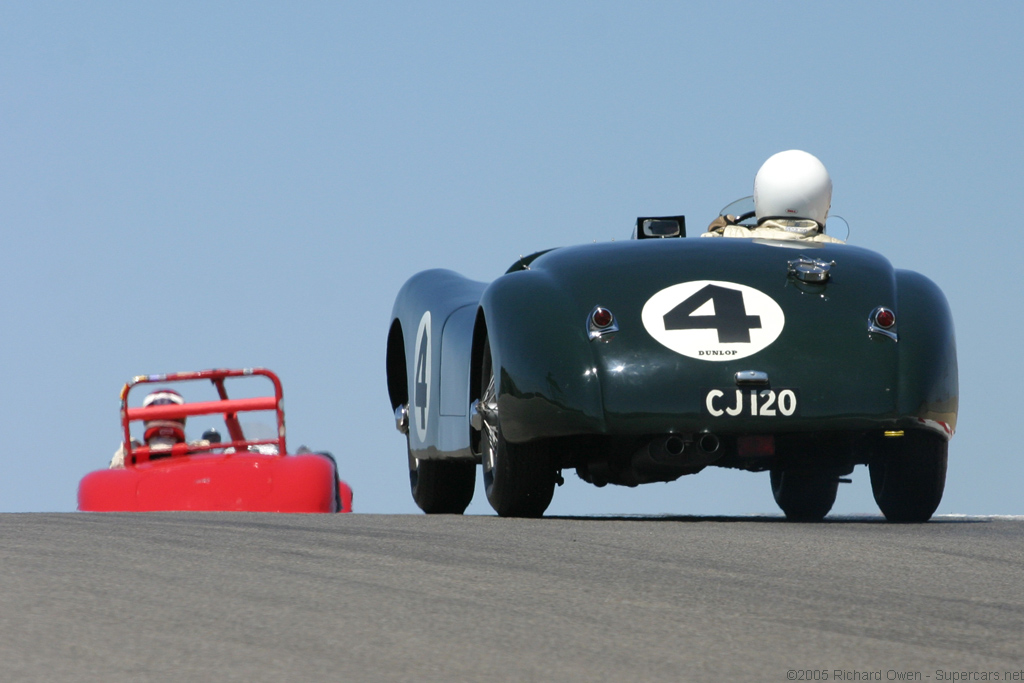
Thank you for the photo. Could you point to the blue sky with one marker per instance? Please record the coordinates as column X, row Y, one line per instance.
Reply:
column 194, row 185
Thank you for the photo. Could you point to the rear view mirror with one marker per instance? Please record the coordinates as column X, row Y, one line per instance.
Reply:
column 660, row 227
column 654, row 227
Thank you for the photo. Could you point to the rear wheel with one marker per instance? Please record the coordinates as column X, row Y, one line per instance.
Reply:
column 519, row 478
column 442, row 486
column 909, row 476
column 805, row 495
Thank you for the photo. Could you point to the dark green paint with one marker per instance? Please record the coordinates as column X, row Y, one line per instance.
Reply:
column 848, row 379
column 554, row 381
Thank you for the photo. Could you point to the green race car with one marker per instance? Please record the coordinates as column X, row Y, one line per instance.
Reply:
column 645, row 360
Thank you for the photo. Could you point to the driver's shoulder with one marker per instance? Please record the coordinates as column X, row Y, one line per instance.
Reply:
column 729, row 231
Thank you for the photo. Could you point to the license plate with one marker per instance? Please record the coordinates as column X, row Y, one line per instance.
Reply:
column 750, row 402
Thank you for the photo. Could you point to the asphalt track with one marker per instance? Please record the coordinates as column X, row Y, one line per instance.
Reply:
column 263, row 597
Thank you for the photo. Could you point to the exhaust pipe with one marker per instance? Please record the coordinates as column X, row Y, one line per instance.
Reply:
column 666, row 458
column 666, row 449
column 708, row 443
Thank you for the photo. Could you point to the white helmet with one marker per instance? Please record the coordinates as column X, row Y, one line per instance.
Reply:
column 793, row 184
column 168, row 431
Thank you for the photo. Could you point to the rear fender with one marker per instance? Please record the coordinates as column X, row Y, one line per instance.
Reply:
column 929, row 385
column 544, row 366
column 428, row 360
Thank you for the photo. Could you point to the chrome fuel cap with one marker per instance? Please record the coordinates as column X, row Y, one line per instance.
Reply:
column 810, row 270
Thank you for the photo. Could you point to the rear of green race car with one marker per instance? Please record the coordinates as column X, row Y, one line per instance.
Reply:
column 646, row 360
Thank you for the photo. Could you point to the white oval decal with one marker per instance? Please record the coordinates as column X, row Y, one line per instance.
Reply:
column 421, row 378
column 713, row 320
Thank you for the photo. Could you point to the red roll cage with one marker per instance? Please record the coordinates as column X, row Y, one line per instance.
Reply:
column 228, row 407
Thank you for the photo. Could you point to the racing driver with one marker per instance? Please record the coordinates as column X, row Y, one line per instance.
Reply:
column 792, row 196
column 159, row 434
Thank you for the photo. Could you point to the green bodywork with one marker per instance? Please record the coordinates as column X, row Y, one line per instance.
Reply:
column 554, row 381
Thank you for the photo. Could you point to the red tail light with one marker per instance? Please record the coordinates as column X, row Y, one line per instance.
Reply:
column 601, row 323
column 885, row 318
column 602, row 317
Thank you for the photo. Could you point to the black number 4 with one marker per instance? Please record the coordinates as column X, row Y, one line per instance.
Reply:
column 730, row 318
column 421, row 377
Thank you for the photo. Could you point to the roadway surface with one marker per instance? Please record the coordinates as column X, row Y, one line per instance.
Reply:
column 250, row 597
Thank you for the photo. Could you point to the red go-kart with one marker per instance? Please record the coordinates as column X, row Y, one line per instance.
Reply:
column 239, row 474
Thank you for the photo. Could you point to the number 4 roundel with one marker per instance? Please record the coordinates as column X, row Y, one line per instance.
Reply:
column 713, row 320
column 421, row 378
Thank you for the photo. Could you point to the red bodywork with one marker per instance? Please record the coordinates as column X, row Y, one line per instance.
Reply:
column 202, row 477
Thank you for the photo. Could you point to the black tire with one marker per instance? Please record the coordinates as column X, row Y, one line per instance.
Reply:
column 805, row 495
column 519, row 478
column 909, row 476
column 442, row 487
column 522, row 481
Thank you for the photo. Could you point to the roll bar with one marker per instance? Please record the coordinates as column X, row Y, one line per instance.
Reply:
column 228, row 407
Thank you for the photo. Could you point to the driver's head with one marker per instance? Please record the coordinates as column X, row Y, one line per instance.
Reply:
column 792, row 185
column 163, row 433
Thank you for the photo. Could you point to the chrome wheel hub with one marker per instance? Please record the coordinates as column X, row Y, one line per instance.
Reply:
column 485, row 420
